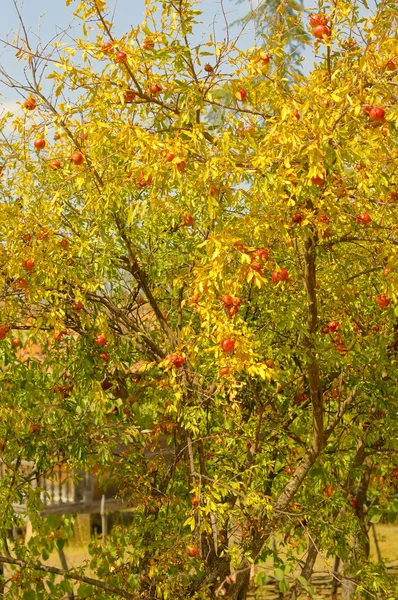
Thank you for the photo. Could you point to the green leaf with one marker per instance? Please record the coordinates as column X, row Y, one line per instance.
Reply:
column 54, row 521
column 375, row 518
column 284, row 585
column 261, row 578
column 84, row 590
column 279, row 574
column 45, row 554
column 60, row 543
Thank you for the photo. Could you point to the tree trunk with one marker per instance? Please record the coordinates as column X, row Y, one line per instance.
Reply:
column 64, row 565
column 335, row 581
column 361, row 545
column 348, row 587
column 306, row 571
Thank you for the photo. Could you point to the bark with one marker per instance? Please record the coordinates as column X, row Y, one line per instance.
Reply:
column 360, row 544
column 335, row 581
column 348, row 587
column 313, row 371
column 64, row 565
column 306, row 571
column 376, row 541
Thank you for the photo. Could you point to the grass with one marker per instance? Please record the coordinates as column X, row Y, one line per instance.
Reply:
column 387, row 536
column 76, row 553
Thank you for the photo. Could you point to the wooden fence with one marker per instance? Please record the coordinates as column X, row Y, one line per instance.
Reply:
column 67, row 492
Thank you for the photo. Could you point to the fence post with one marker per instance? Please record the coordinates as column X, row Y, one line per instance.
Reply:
column 103, row 518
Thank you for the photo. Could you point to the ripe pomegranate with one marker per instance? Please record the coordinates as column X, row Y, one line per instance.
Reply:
column 176, row 360
column 30, row 103
column 29, row 264
column 107, row 47
column 321, row 31
column 188, row 221
column 334, row 326
column 43, row 234
column 228, row 345
column 297, row 218
column 144, row 181
column 121, row 57
column 284, row 275
column 181, row 166
column 39, row 144
column 318, row 180
column 55, row 165
column 260, row 254
column 148, row 44
column 227, row 299
column 193, row 551
column 364, row 218
column 276, row 277
column 383, row 301
column 20, row 283
column 281, row 275
column 129, row 96
column 317, row 19
column 155, row 89
column 4, row 329
column 100, row 340
column 77, row 158
column 377, row 113
column 242, row 95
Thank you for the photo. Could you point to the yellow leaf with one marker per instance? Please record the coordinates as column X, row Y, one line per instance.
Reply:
column 305, row 107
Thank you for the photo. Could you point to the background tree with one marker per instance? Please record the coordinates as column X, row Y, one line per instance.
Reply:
column 270, row 17
column 203, row 244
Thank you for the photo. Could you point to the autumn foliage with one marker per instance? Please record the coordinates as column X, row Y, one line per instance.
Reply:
column 207, row 262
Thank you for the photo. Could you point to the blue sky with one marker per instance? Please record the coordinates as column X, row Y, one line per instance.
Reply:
column 45, row 18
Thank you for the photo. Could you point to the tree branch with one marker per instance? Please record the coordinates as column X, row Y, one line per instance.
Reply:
column 68, row 574
column 313, row 366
